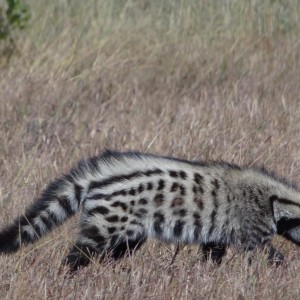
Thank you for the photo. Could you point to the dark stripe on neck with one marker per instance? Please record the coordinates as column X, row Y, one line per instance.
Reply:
column 288, row 202
column 285, row 224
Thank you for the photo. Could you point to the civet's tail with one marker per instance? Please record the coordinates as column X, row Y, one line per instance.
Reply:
column 61, row 199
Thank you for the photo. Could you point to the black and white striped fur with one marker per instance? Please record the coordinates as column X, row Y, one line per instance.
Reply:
column 126, row 198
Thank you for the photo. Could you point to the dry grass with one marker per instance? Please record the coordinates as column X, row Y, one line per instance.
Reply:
column 194, row 79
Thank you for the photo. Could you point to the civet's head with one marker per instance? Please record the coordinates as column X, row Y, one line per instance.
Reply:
column 286, row 213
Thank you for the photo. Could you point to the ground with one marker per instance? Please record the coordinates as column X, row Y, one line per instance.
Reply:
column 204, row 80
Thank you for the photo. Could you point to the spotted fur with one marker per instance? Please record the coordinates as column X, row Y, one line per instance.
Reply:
column 127, row 198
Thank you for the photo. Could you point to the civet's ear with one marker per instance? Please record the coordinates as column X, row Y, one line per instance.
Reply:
column 278, row 210
column 282, row 207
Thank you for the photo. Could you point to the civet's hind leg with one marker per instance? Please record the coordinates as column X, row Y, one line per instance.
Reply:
column 80, row 255
column 214, row 252
column 115, row 247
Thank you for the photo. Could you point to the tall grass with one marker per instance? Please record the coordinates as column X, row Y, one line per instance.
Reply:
column 75, row 36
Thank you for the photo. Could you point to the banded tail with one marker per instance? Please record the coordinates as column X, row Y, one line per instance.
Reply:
column 59, row 201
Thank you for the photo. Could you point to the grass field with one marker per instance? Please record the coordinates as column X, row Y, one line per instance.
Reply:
column 194, row 79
